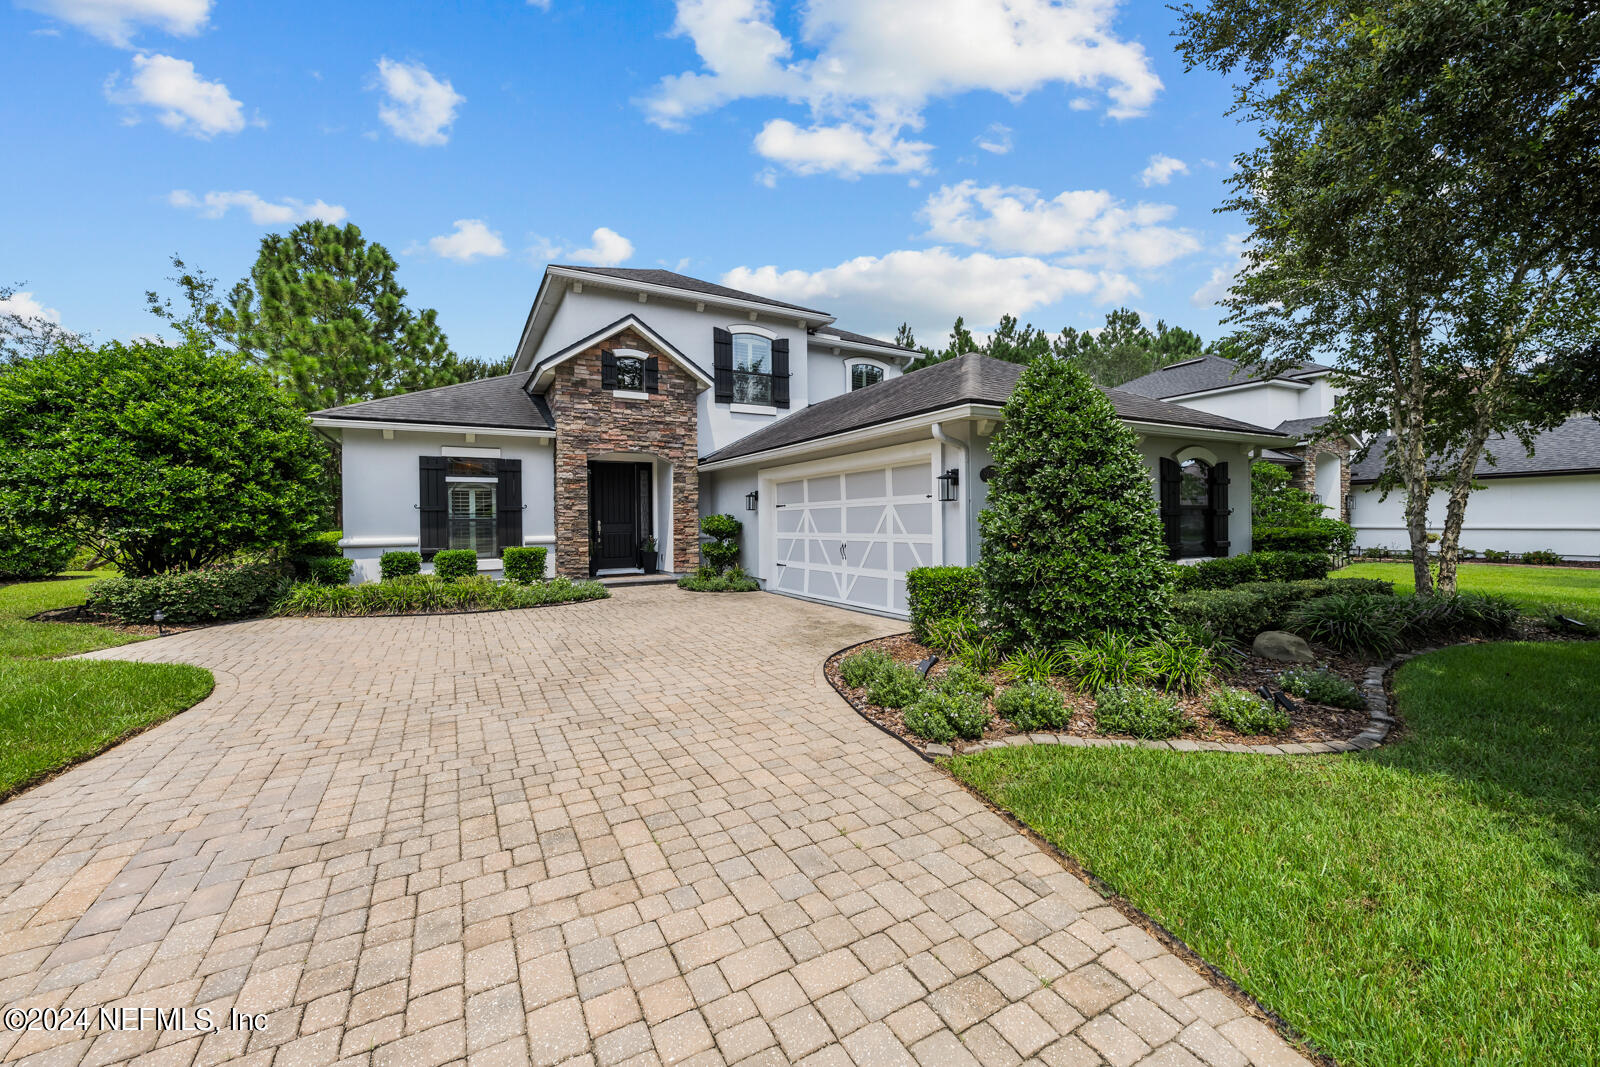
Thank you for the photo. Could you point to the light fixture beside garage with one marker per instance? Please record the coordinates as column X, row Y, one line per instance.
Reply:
column 750, row 499
column 948, row 481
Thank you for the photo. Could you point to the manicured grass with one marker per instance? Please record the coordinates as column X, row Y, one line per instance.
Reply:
column 55, row 713
column 1573, row 591
column 1435, row 900
column 21, row 639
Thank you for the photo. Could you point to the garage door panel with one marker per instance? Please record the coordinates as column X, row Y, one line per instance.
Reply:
column 850, row 537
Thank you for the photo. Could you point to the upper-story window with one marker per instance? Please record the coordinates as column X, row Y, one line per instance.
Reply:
column 630, row 373
column 752, row 369
column 864, row 374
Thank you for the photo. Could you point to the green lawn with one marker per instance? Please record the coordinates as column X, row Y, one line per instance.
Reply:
column 1573, row 591
column 55, row 713
column 1432, row 901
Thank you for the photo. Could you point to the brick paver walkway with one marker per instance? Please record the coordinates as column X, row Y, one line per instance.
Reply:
column 642, row 830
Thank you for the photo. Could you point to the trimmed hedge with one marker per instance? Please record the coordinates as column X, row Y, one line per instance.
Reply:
column 938, row 593
column 524, row 565
column 329, row 570
column 1269, row 566
column 1245, row 610
column 429, row 593
column 456, row 563
column 1318, row 535
column 399, row 564
column 192, row 596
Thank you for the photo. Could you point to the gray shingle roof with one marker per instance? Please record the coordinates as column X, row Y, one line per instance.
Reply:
column 861, row 338
column 652, row 276
column 1572, row 447
column 1203, row 373
column 970, row 379
column 498, row 402
column 1301, row 427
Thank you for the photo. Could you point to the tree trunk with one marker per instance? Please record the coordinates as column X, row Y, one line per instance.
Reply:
column 1411, row 441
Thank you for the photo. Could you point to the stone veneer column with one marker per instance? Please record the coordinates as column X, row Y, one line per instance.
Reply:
column 591, row 422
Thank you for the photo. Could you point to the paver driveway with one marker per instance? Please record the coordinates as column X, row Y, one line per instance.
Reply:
column 637, row 830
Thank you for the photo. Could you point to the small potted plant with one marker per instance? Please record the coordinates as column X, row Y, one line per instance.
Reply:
column 647, row 554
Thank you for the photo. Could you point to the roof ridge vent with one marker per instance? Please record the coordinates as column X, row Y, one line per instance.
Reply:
column 1186, row 363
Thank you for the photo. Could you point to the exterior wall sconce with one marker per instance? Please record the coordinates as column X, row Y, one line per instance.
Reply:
column 948, row 481
column 750, row 499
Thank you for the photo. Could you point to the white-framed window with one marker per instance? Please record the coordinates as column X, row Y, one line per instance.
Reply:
column 471, row 484
column 752, row 368
column 859, row 375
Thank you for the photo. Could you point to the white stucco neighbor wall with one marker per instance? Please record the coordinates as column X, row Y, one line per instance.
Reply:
column 1266, row 404
column 382, row 485
column 1556, row 512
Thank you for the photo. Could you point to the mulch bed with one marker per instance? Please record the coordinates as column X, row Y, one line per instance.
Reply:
column 79, row 613
column 1312, row 722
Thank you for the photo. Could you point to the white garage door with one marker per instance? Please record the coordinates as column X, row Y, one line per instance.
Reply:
column 851, row 537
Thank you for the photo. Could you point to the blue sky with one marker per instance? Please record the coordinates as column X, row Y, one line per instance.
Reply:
column 880, row 159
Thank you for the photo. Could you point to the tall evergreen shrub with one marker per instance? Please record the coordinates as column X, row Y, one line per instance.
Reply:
column 1072, row 540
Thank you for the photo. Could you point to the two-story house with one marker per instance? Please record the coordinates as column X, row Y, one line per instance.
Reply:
column 640, row 400
column 1549, row 499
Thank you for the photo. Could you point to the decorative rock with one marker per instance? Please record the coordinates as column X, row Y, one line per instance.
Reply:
column 1282, row 646
column 940, row 750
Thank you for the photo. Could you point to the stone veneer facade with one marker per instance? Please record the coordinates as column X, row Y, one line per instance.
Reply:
column 590, row 421
column 1305, row 475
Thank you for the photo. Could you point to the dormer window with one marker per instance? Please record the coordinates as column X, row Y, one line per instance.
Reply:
column 864, row 374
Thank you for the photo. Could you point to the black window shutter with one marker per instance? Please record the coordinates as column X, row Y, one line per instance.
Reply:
column 780, row 372
column 722, row 364
column 435, row 532
column 652, row 375
column 508, row 504
column 608, row 369
column 1219, row 510
column 1171, row 473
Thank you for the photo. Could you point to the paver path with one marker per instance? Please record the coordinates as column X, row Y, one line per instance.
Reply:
column 640, row 830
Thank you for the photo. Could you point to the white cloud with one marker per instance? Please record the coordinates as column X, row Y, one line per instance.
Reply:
column 1086, row 227
column 929, row 287
column 846, row 150
column 215, row 205
column 1161, row 170
column 1223, row 275
column 26, row 306
column 542, row 5
column 184, row 102
column 418, row 107
column 874, row 65
column 996, row 139
column 116, row 21
column 607, row 248
column 470, row 240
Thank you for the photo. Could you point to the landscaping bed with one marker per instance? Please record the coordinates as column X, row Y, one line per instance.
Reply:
column 1311, row 722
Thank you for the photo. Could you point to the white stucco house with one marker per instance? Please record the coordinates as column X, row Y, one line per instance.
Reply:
column 1547, row 500
column 640, row 400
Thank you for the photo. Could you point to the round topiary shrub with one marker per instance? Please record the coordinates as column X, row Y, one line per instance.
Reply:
column 456, row 563
column 1072, row 540
column 393, row 565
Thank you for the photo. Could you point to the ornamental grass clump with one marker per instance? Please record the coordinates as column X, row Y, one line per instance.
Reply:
column 1105, row 660
column 1247, row 713
column 1034, row 664
column 1353, row 623
column 1138, row 711
column 1032, row 705
column 1072, row 541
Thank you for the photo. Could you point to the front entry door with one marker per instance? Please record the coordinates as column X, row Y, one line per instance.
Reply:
column 613, row 513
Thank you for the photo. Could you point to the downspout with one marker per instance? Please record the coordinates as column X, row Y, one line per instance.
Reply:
column 966, row 488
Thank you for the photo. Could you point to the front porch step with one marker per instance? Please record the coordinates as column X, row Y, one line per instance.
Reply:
column 616, row 581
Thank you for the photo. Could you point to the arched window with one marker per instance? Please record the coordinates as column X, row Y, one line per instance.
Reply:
column 864, row 374
column 1194, row 507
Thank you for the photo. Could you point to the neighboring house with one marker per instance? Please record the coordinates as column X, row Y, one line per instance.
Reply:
column 640, row 400
column 1548, row 500
column 1295, row 403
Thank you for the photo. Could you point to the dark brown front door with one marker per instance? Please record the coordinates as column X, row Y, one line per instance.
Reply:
column 613, row 513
